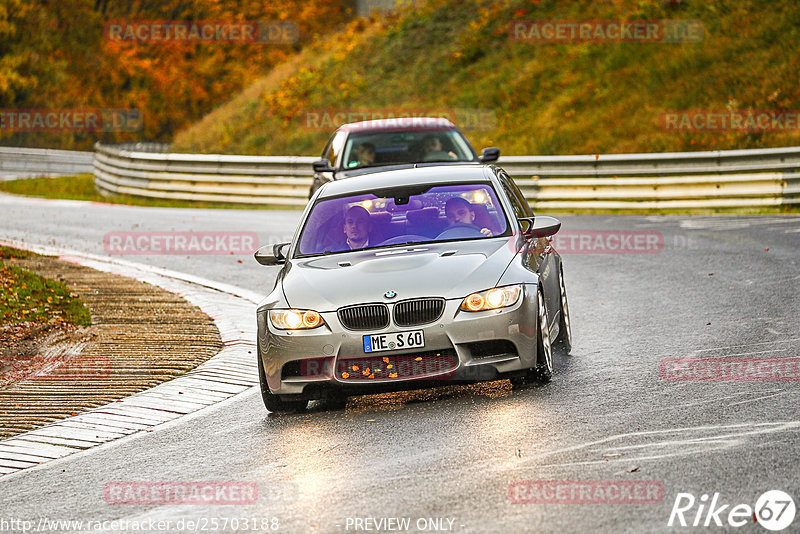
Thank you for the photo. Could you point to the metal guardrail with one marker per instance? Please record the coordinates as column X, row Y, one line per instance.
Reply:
column 683, row 180
column 271, row 180
column 29, row 162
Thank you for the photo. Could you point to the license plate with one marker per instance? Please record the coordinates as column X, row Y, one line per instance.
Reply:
column 394, row 341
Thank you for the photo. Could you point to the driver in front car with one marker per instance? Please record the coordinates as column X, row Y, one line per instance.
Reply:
column 357, row 226
column 459, row 212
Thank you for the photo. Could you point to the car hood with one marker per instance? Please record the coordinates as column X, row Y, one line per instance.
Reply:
column 449, row 270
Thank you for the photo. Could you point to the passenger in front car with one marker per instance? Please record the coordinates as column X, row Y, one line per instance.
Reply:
column 460, row 212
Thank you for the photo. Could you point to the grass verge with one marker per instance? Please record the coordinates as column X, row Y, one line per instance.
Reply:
column 29, row 298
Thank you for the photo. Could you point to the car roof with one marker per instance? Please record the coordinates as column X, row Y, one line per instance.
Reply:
column 437, row 174
column 399, row 124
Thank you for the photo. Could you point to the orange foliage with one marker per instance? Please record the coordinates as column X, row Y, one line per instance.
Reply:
column 58, row 56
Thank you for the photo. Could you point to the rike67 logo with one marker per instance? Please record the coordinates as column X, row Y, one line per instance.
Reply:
column 774, row 510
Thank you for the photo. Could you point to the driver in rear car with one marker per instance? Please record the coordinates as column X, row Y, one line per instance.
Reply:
column 459, row 212
column 357, row 226
column 432, row 148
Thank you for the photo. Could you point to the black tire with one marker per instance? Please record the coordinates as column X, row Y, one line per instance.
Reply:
column 543, row 371
column 336, row 402
column 520, row 381
column 564, row 340
column 272, row 402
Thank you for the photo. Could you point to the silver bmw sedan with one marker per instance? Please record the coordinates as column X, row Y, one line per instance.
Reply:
column 411, row 278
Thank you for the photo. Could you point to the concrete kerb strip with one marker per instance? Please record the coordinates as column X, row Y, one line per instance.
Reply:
column 229, row 373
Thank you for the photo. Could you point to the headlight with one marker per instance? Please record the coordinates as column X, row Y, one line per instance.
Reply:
column 492, row 299
column 295, row 319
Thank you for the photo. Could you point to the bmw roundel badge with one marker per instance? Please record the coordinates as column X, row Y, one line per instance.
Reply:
column 390, row 294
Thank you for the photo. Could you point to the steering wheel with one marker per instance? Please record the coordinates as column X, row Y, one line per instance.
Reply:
column 460, row 231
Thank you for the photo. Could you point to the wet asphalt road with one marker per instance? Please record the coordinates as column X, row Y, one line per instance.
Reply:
column 445, row 459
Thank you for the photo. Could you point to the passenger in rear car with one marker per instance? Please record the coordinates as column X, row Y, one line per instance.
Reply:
column 459, row 211
column 365, row 152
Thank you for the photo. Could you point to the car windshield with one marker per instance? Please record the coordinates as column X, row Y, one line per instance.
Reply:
column 400, row 216
column 388, row 148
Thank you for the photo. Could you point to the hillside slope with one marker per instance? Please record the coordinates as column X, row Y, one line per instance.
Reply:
column 458, row 57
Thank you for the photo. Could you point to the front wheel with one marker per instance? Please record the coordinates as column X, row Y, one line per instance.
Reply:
column 273, row 402
column 543, row 371
column 564, row 340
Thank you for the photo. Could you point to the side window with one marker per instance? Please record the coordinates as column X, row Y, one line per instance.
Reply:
column 516, row 195
column 335, row 147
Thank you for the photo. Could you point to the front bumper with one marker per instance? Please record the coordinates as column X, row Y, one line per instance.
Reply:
column 459, row 347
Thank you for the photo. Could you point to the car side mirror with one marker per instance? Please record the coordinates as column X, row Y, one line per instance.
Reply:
column 271, row 254
column 489, row 154
column 539, row 226
column 322, row 165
